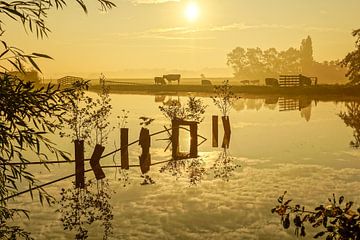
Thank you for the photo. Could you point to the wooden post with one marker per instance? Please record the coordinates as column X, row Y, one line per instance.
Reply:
column 145, row 157
column 215, row 132
column 227, row 131
column 175, row 139
column 79, row 164
column 124, row 141
column 95, row 162
column 193, row 141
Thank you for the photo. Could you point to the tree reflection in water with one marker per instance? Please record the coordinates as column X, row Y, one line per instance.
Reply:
column 192, row 168
column 79, row 208
column 352, row 119
column 224, row 166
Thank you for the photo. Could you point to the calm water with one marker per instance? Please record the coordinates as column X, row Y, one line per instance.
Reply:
column 305, row 152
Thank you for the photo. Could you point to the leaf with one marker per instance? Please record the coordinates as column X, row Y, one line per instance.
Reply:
column 42, row 55
column 341, row 199
column 320, row 234
column 33, row 63
column 286, row 222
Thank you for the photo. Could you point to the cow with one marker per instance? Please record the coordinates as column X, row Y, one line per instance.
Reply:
column 271, row 82
column 159, row 80
column 172, row 77
column 255, row 82
column 206, row 82
column 304, row 81
column 245, row 82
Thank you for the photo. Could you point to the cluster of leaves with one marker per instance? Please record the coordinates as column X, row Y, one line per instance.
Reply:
column 352, row 61
column 352, row 119
column 87, row 118
column 224, row 98
column 124, row 177
column 32, row 15
column 12, row 232
column 101, row 113
column 123, row 118
column 193, row 111
column 224, row 166
column 80, row 113
column 145, row 121
column 79, row 208
column 147, row 180
column 338, row 221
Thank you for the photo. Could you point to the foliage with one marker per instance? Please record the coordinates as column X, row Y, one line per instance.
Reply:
column 254, row 63
column 306, row 56
column 27, row 115
column 147, row 180
column 101, row 113
column 80, row 113
column 193, row 111
column 224, row 166
column 337, row 220
column 122, row 118
column 352, row 61
column 192, row 168
column 32, row 15
column 12, row 232
column 224, row 98
column 145, row 121
column 80, row 208
column 352, row 119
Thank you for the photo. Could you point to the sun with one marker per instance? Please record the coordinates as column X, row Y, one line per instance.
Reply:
column 192, row 12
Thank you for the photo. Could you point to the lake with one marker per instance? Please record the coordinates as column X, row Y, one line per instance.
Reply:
column 274, row 147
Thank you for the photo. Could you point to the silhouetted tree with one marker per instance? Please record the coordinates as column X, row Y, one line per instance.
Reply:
column 306, row 56
column 352, row 119
column 27, row 113
column 352, row 61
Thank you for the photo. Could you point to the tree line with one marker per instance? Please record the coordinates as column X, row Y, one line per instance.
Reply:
column 256, row 63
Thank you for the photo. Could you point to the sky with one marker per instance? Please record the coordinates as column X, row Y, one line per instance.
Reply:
column 145, row 38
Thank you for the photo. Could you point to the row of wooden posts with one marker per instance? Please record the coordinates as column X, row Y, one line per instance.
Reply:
column 145, row 143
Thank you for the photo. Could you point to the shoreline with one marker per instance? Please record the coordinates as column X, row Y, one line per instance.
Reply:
column 319, row 92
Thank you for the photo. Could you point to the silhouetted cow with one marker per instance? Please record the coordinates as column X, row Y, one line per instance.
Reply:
column 159, row 80
column 245, row 82
column 205, row 82
column 172, row 77
column 255, row 82
column 304, row 81
column 271, row 82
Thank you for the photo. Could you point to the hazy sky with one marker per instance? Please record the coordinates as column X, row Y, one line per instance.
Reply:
column 157, row 35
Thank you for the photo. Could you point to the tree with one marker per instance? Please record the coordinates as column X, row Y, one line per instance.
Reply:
column 352, row 61
column 254, row 63
column 306, row 56
column 27, row 113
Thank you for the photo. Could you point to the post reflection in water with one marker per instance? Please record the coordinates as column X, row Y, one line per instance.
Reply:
column 351, row 118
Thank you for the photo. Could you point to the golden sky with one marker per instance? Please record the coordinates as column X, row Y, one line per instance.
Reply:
column 144, row 38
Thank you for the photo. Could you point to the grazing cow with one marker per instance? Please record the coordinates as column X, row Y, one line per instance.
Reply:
column 255, row 82
column 206, row 82
column 159, row 80
column 271, row 82
column 172, row 77
column 304, row 81
column 245, row 82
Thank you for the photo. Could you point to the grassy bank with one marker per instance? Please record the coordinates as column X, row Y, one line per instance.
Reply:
column 344, row 92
